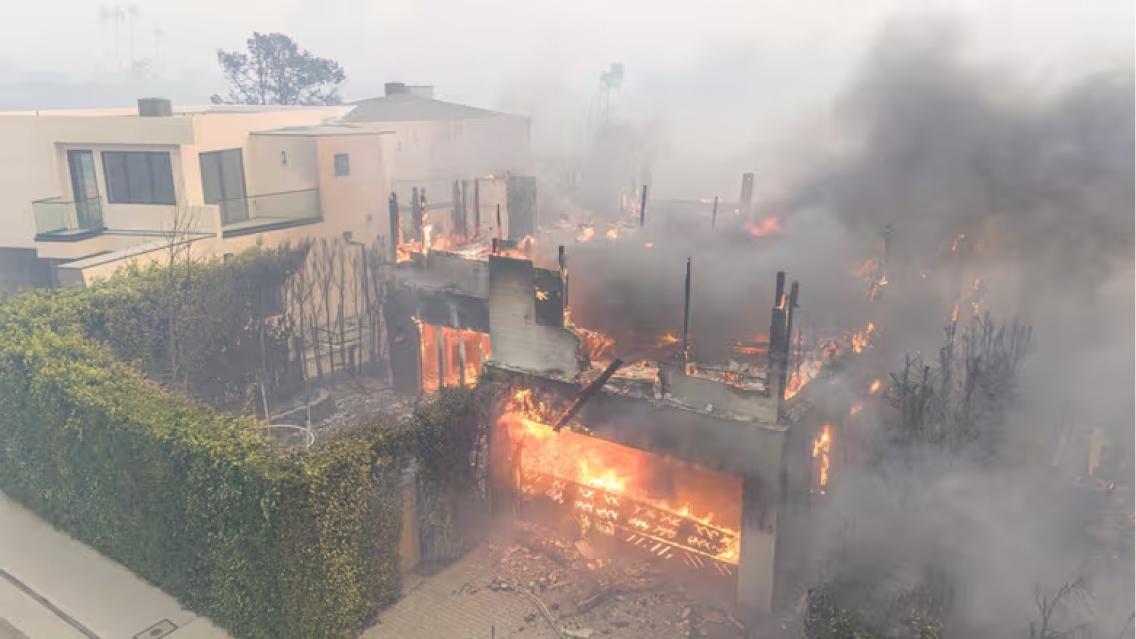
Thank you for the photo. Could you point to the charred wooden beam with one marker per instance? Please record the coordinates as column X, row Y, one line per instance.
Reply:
column 686, row 319
column 395, row 227
column 587, row 393
column 643, row 207
column 745, row 199
column 776, row 338
column 562, row 259
column 499, row 230
column 887, row 249
column 476, row 208
column 417, row 210
column 456, row 205
column 787, row 343
column 714, row 214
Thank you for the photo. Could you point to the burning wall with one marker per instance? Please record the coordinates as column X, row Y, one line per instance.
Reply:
column 702, row 489
column 677, row 511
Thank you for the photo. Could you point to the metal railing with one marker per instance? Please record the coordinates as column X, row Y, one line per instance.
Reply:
column 55, row 216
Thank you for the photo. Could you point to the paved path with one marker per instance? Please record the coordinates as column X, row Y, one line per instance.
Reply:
column 443, row 607
column 54, row 587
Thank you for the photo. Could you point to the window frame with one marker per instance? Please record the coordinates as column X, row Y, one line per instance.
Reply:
column 345, row 170
column 157, row 187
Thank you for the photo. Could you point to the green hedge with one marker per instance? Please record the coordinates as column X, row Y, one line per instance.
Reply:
column 214, row 311
column 267, row 545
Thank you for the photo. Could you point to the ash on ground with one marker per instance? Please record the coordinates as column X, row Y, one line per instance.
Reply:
column 580, row 594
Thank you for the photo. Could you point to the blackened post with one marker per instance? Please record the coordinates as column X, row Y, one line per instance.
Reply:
column 783, row 372
column 395, row 227
column 745, row 200
column 440, row 343
column 776, row 337
column 476, row 208
column 589, row 391
column 456, row 208
column 714, row 214
column 887, row 248
column 562, row 259
column 496, row 246
column 643, row 207
column 465, row 209
column 686, row 319
column 416, row 213
column 499, row 230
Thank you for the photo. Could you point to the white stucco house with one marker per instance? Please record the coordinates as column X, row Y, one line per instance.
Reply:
column 84, row 191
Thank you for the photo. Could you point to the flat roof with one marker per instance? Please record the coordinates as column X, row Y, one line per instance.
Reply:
column 177, row 110
column 406, row 107
column 322, row 130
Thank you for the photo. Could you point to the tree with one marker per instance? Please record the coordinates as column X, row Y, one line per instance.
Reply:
column 275, row 70
column 959, row 405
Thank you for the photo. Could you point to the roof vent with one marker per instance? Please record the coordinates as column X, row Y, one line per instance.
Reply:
column 155, row 107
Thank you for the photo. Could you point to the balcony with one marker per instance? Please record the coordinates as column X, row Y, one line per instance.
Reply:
column 269, row 212
column 59, row 220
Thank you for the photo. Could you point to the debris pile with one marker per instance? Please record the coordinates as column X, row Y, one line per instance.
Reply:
column 579, row 594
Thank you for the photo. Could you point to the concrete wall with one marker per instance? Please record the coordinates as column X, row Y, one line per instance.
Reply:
column 281, row 163
column 518, row 341
column 444, row 150
column 356, row 202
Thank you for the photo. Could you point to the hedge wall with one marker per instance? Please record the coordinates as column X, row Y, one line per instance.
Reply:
column 195, row 328
column 268, row 546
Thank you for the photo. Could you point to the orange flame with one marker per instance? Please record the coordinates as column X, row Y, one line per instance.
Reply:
column 863, row 339
column 770, row 225
column 874, row 387
column 615, row 472
column 822, row 445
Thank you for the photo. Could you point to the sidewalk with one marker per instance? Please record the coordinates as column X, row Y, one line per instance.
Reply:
column 54, row 587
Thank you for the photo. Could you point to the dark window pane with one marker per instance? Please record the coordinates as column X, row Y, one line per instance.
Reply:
column 342, row 164
column 139, row 177
column 114, row 165
column 163, row 175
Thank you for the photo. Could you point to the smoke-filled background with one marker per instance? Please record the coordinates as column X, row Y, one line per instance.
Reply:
column 1004, row 195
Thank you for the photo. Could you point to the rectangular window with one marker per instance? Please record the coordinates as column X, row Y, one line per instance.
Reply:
column 138, row 177
column 342, row 165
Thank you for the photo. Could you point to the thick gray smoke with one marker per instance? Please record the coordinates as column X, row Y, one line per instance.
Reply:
column 1016, row 197
column 1041, row 186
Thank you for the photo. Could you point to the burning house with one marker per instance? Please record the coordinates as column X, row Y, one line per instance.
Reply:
column 697, row 468
column 708, row 470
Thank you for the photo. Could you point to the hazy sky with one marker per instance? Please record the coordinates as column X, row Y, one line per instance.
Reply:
column 716, row 79
column 471, row 50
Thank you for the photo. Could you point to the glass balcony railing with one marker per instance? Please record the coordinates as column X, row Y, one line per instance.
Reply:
column 56, row 218
column 270, row 210
column 291, row 205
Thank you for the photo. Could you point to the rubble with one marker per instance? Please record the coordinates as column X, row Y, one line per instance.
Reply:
column 583, row 595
